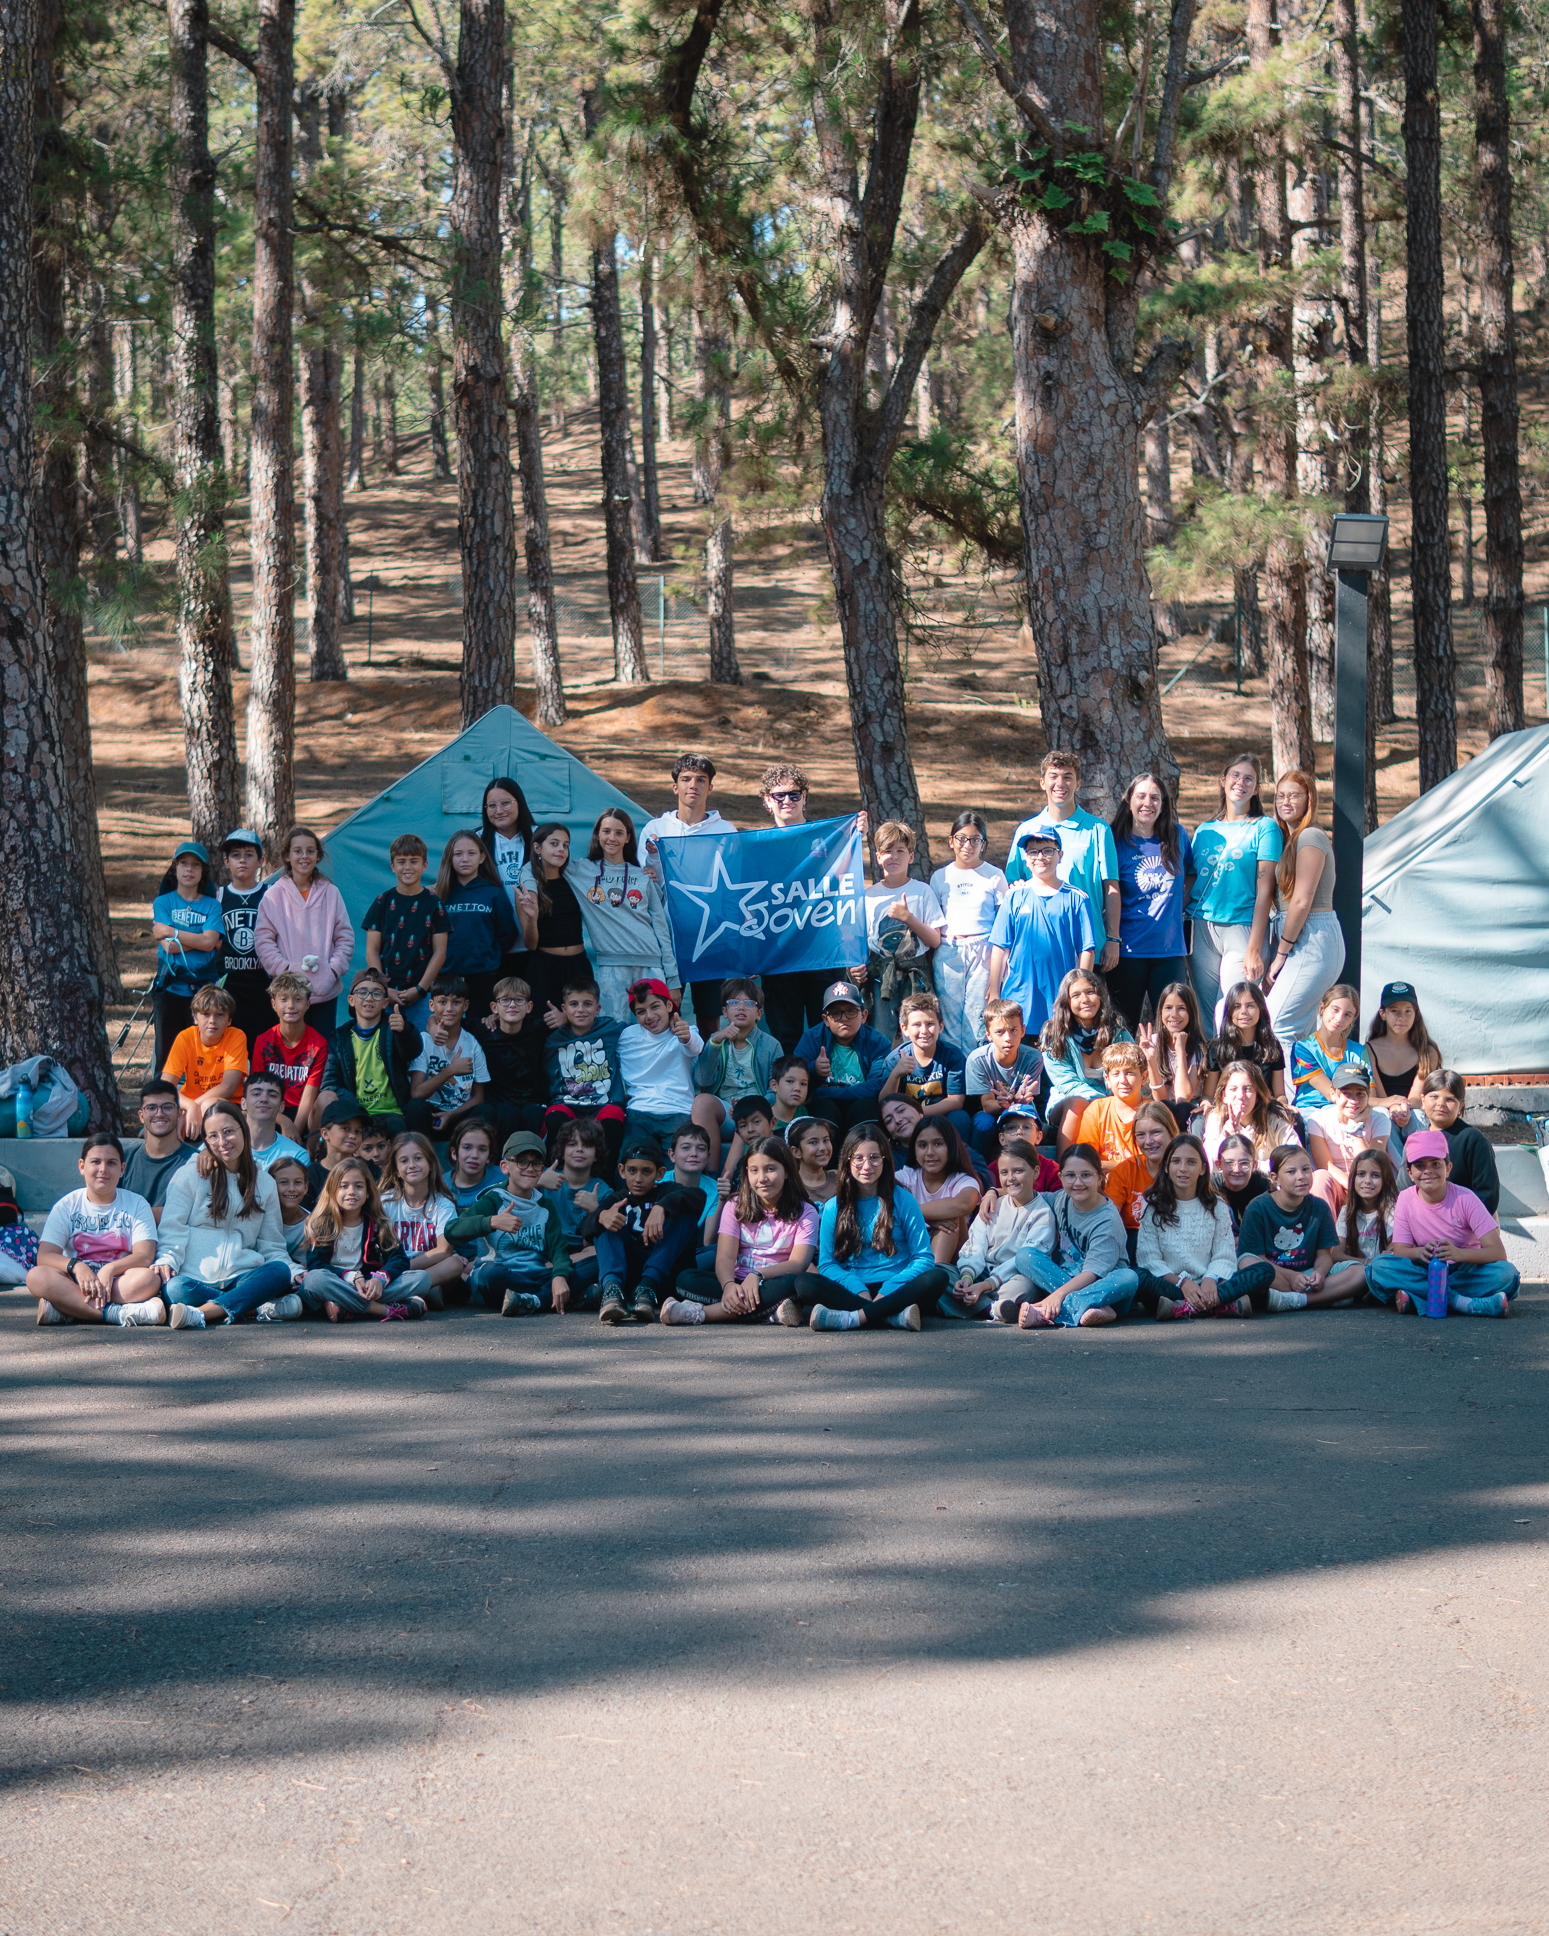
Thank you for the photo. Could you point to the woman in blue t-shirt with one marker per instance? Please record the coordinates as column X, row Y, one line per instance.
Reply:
column 186, row 921
column 1156, row 859
column 1234, row 882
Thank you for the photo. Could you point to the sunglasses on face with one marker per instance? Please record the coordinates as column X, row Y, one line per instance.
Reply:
column 787, row 799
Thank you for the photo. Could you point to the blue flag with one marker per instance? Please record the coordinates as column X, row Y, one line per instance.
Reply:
column 766, row 903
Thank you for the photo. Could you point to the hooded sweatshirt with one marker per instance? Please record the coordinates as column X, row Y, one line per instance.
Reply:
column 992, row 1247
column 290, row 928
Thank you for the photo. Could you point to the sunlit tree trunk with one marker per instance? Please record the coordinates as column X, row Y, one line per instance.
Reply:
column 322, row 432
column 440, row 456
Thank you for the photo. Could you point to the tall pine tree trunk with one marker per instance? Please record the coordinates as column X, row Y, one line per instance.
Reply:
column 101, row 477
column 389, row 422
column 1312, row 343
column 271, row 709
column 206, row 643
column 613, row 416
column 440, row 456
column 344, row 603
column 1285, row 567
column 322, row 434
column 58, row 506
column 663, row 326
column 1498, row 375
column 355, row 469
column 1430, row 569
column 485, row 522
column 51, row 998
column 649, row 489
column 555, row 182
column 521, row 310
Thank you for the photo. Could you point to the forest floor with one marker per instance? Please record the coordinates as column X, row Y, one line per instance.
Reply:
column 974, row 723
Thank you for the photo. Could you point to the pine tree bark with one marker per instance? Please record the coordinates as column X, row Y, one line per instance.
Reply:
column 1498, row 414
column 101, row 468
column 322, row 432
column 1430, row 569
column 1159, row 482
column 43, row 922
column 521, row 309
column 271, row 709
column 58, row 507
column 206, row 640
column 1312, row 343
column 440, row 456
column 554, row 181
column 712, row 388
column 344, row 604
column 649, row 489
column 131, row 529
column 389, row 422
column 1379, row 609
column 355, row 471
column 629, row 664
column 485, row 522
column 720, row 548
column 665, row 336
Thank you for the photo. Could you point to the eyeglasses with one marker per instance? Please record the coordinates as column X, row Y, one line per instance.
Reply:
column 512, row 1001
column 788, row 799
column 527, row 1162
column 968, row 840
column 158, row 1108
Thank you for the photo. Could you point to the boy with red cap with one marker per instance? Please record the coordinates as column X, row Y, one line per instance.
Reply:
column 656, row 1059
column 1436, row 1218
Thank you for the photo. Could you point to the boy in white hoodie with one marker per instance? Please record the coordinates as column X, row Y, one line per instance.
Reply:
column 1019, row 1217
column 657, row 1052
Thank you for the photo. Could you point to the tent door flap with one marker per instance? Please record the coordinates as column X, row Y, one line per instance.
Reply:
column 465, row 774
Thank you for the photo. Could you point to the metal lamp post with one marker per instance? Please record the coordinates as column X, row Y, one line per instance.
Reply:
column 1357, row 545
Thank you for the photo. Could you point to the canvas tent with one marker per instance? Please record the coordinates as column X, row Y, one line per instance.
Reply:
column 1455, row 899
column 443, row 796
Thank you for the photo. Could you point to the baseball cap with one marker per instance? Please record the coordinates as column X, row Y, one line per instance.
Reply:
column 1426, row 1142
column 1398, row 991
column 843, row 991
column 345, row 1108
column 191, row 847
column 1039, row 837
column 242, row 837
column 1350, row 1075
column 648, row 985
column 522, row 1142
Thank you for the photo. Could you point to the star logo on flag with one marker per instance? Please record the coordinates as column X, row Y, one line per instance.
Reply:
column 708, row 900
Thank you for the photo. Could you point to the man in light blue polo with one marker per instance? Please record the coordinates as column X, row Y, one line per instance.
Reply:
column 1088, row 860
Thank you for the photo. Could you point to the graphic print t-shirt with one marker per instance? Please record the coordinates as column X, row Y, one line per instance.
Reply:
column 1291, row 1238
column 760, row 1246
column 239, row 914
column 408, row 925
column 434, row 1057
column 1151, row 898
column 419, row 1229
column 97, row 1233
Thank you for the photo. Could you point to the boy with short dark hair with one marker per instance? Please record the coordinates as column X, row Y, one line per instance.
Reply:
column 739, row 1058
column 926, row 1066
column 847, row 1057
column 371, row 1058
column 1003, row 1070
column 207, row 1061
column 162, row 1152
column 514, row 1047
column 406, row 931
column 1089, row 859
column 528, row 1267
column 689, row 1150
column 262, row 1101
column 586, row 1079
column 450, row 1072
column 294, row 1051
column 1042, row 930
column 644, row 1237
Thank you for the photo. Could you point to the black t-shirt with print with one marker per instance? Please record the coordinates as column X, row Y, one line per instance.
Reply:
column 408, row 925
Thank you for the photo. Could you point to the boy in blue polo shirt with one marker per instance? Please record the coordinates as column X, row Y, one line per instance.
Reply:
column 1089, row 861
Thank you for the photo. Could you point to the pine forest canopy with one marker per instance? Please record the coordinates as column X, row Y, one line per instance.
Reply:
column 796, row 234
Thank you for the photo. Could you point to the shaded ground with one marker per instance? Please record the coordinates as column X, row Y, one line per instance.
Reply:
column 482, row 1625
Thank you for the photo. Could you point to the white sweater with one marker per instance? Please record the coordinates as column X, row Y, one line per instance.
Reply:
column 1200, row 1244
column 195, row 1246
column 657, row 1070
column 992, row 1246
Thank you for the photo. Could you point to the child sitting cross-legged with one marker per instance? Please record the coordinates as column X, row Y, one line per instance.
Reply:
column 416, row 1205
column 97, row 1249
column 353, row 1254
column 644, row 1237
column 875, row 1265
column 222, row 1242
column 528, row 1266
column 1020, row 1219
column 940, row 1177
column 1436, row 1220
column 767, row 1238
column 1186, row 1249
column 1366, row 1224
column 1087, row 1279
column 1292, row 1230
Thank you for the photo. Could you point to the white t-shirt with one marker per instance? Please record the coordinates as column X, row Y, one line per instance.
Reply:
column 914, row 1182
column 433, row 1058
column 1378, row 1127
column 419, row 1230
column 969, row 897
column 657, row 1070
column 509, row 853
column 917, row 896
column 763, row 1245
column 347, row 1248
column 98, row 1233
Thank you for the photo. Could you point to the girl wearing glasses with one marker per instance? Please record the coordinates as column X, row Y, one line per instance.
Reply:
column 969, row 890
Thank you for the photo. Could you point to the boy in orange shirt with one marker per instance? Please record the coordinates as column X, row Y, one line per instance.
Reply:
column 207, row 1061
column 1126, row 1184
column 1109, row 1125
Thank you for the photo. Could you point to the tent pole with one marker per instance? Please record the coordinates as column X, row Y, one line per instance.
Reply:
column 1350, row 760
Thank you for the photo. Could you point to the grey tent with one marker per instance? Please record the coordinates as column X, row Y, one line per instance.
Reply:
column 1455, row 898
column 443, row 797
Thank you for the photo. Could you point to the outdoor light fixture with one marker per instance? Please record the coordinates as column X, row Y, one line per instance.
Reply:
column 1357, row 545
column 1357, row 542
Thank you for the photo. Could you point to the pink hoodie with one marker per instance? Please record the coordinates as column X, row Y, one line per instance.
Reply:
column 290, row 928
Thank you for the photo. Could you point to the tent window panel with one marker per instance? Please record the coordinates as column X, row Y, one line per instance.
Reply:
column 464, row 776
column 546, row 784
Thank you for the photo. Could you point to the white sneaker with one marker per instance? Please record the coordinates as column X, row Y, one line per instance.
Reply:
column 47, row 1314
column 682, row 1310
column 823, row 1319
column 789, row 1313
column 280, row 1310
column 1287, row 1300
column 906, row 1320
column 186, row 1317
column 149, row 1310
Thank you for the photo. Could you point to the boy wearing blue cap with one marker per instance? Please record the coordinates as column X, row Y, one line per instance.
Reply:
column 186, row 923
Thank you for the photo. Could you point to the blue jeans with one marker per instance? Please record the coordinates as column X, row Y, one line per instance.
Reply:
column 235, row 1295
column 1387, row 1275
column 1116, row 1290
column 630, row 1262
column 490, row 1280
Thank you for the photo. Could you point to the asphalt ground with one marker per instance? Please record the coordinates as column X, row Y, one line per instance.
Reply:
column 483, row 1625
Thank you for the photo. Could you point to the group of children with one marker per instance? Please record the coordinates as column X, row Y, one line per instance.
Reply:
column 518, row 1113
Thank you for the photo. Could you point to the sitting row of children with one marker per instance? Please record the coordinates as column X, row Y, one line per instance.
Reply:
column 794, row 1243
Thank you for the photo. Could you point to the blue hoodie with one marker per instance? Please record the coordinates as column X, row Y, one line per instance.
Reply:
column 871, row 1047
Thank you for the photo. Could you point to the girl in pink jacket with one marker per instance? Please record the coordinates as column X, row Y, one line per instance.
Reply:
column 303, row 927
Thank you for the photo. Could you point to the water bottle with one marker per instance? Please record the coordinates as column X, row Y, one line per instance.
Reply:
column 1436, row 1288
column 24, row 1108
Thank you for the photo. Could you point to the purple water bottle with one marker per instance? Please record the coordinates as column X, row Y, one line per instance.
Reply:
column 1436, row 1288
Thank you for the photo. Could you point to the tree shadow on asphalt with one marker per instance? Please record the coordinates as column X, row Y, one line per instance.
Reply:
column 357, row 1519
